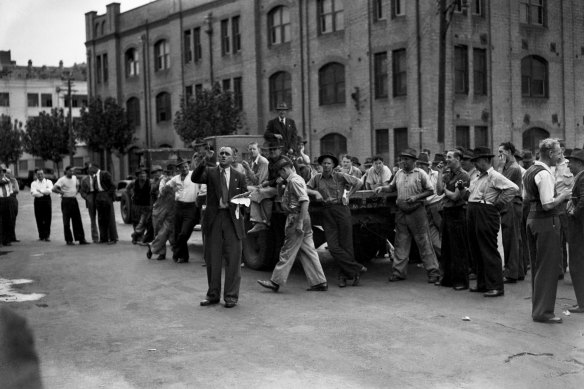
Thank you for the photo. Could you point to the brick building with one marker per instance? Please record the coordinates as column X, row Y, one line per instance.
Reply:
column 361, row 76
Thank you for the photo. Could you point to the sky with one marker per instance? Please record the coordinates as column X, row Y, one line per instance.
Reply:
column 47, row 31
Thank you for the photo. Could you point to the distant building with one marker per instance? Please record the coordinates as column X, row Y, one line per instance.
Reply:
column 361, row 76
column 26, row 91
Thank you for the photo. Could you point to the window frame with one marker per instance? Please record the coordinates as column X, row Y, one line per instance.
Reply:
column 336, row 86
column 238, row 92
column 47, row 103
column 534, row 12
column 32, row 100
column 335, row 15
column 398, row 8
column 161, row 55
column 399, row 75
column 378, row 13
column 225, row 38
column 105, row 68
column 480, row 72
column 236, row 34
column 188, row 45
column 544, row 82
column 381, row 75
column 477, row 130
column 133, row 111
column 400, row 134
column 381, row 134
column 465, row 132
column 132, row 63
column 281, row 26
column 461, row 54
column 163, row 107
column 4, row 99
column 197, row 47
column 280, row 89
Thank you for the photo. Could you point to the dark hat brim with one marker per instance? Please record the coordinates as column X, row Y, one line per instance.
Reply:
column 332, row 157
column 407, row 155
column 581, row 159
column 482, row 156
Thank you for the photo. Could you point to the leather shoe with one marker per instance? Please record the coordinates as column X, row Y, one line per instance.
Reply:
column 318, row 288
column 83, row 242
column 257, row 228
column 363, row 269
column 395, row 278
column 356, row 280
column 342, row 282
column 149, row 252
column 460, row 287
column 472, row 276
column 269, row 284
column 70, row 244
column 433, row 280
column 509, row 280
column 477, row 290
column 47, row 240
column 182, row 260
column 230, row 304
column 494, row 293
column 576, row 309
column 553, row 320
column 161, row 257
column 206, row 302
column 16, row 240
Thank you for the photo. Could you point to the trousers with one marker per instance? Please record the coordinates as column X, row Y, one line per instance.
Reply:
column 511, row 224
column 261, row 205
column 576, row 247
column 92, row 210
column 72, row 215
column 435, row 225
column 184, row 222
column 43, row 215
column 104, row 206
column 455, row 252
column 5, row 220
column 338, row 231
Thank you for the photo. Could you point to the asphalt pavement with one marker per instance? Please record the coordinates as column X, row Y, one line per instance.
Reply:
column 110, row 318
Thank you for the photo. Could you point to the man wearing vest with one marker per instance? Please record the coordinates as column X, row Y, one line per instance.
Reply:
column 576, row 229
column 544, row 230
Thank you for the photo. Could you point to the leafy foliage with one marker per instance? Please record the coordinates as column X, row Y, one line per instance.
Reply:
column 10, row 140
column 211, row 112
column 47, row 135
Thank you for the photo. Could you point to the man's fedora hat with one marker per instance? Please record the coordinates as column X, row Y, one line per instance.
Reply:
column 272, row 143
column 423, row 159
column 332, row 157
column 355, row 161
column 467, row 154
column 482, row 152
column 155, row 168
column 181, row 161
column 301, row 141
column 579, row 155
column 527, row 156
column 170, row 167
column 438, row 157
column 409, row 153
column 282, row 107
column 282, row 162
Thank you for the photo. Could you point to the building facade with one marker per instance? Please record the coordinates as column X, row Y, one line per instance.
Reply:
column 26, row 91
column 360, row 76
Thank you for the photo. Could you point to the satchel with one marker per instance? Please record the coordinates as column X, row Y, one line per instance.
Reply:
column 406, row 207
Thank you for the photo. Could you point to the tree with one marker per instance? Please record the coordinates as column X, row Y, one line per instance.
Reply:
column 104, row 126
column 47, row 136
column 10, row 140
column 212, row 112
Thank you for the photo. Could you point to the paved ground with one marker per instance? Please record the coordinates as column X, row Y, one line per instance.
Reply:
column 113, row 319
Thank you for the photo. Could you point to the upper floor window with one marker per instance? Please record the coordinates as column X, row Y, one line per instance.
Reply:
column 330, row 16
column 163, row 112
column 198, row 50
column 236, row 34
column 188, row 51
column 400, row 72
column 280, row 89
column 225, row 39
column 98, row 69
column 226, row 84
column 4, row 99
column 378, row 10
column 380, row 73
column 132, row 63
column 161, row 55
column 480, row 71
column 398, row 8
column 46, row 100
column 237, row 93
column 463, row 136
column 477, row 7
column 32, row 99
column 532, row 12
column 133, row 111
column 279, row 25
column 105, row 68
column 534, row 77
column 461, row 69
column 331, row 84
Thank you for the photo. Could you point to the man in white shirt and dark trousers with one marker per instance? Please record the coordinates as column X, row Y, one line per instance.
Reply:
column 41, row 189
column 5, row 218
column 68, row 187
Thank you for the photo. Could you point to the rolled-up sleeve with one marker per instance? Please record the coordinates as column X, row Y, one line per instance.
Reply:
column 545, row 185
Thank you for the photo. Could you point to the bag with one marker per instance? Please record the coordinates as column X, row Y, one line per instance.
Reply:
column 408, row 207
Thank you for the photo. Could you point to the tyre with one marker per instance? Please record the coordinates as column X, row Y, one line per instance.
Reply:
column 125, row 209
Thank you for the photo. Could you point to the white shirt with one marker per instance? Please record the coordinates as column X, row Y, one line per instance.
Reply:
column 68, row 186
column 185, row 190
column 435, row 198
column 7, row 186
column 41, row 188
column 545, row 184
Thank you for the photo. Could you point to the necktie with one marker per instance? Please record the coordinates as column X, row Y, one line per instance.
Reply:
column 95, row 186
column 282, row 121
column 224, row 191
column 4, row 191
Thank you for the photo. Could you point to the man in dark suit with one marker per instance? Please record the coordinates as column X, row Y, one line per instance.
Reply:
column 283, row 129
column 104, row 196
column 222, row 224
column 87, row 192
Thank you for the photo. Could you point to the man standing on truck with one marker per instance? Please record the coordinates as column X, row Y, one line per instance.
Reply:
column 329, row 187
column 298, row 240
column 283, row 129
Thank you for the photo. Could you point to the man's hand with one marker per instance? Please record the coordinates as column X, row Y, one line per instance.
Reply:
column 298, row 226
column 412, row 199
column 278, row 136
column 279, row 180
column 318, row 196
column 245, row 165
column 345, row 200
column 378, row 190
column 209, row 154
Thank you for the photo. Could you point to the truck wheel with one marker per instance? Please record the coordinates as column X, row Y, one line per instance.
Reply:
column 125, row 209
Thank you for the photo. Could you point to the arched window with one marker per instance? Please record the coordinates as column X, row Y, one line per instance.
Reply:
column 532, row 137
column 132, row 63
column 163, row 110
column 280, row 89
column 534, row 77
column 279, row 25
column 334, row 144
column 133, row 111
column 161, row 55
column 331, row 84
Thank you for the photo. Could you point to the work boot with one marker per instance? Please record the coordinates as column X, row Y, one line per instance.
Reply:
column 257, row 228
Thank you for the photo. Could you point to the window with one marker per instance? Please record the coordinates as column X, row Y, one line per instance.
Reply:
column 4, row 99
column 480, row 71
column 400, row 140
column 132, row 63
column 237, row 93
column 279, row 25
column 331, row 84
column 534, row 77
column 477, row 7
column 161, row 55
column 77, row 101
column 39, row 163
column 532, row 12
column 382, row 141
column 46, row 100
column 225, row 36
column 481, row 136
column 334, row 144
column 378, row 10
column 236, row 35
column 133, row 111
column 463, row 137
column 461, row 69
column 188, row 51
column 380, row 72
column 198, row 89
column 226, row 85
column 98, row 69
column 188, row 92
column 33, row 99
column 330, row 16
column 105, row 68
column 198, row 51
column 398, row 8
column 280, row 89
column 400, row 73
column 163, row 107
column 23, row 166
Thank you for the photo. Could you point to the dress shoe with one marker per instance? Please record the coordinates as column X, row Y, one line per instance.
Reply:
column 207, row 302
column 494, row 293
column 472, row 276
column 395, row 278
column 477, row 290
column 161, row 257
column 47, row 240
column 83, row 242
column 112, row 242
column 553, row 320
column 433, row 280
column 363, row 269
column 70, row 244
column 182, row 260
column 16, row 240
column 149, row 252
column 576, row 309
column 230, row 304
column 257, row 228
column 460, row 287
column 7, row 244
column 509, row 280
column 356, row 280
column 318, row 288
column 269, row 284
column 342, row 282
column 561, row 276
